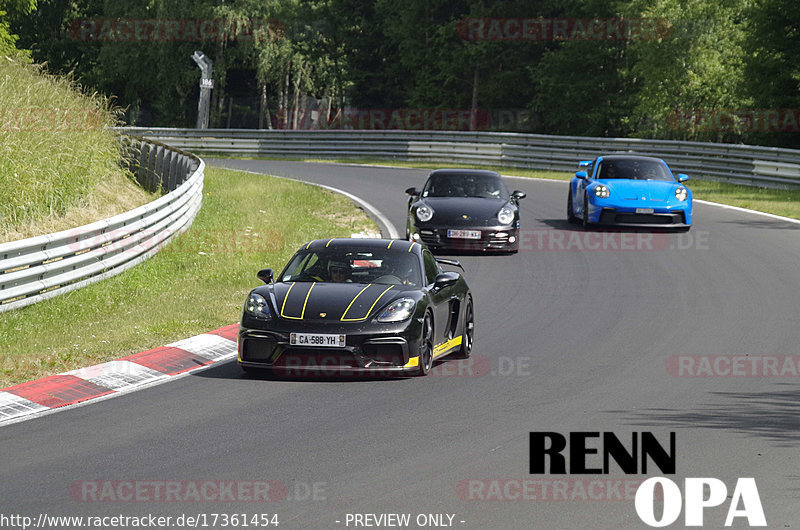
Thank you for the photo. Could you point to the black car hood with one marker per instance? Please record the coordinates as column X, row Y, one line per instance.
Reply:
column 478, row 211
column 332, row 302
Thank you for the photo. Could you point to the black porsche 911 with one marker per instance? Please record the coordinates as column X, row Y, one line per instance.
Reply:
column 346, row 306
column 464, row 209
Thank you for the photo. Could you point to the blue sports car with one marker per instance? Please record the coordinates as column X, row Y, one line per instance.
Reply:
column 627, row 190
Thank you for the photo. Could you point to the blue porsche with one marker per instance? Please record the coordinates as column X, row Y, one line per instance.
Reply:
column 627, row 190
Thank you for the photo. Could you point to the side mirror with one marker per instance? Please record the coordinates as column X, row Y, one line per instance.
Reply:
column 446, row 279
column 582, row 175
column 682, row 177
column 517, row 195
column 412, row 191
column 265, row 275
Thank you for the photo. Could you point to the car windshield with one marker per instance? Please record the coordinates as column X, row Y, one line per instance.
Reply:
column 384, row 266
column 634, row 170
column 465, row 185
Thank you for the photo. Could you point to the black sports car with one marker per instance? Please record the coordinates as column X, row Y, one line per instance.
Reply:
column 357, row 306
column 464, row 209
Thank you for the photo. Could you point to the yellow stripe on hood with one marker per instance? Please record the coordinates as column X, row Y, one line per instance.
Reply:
column 344, row 315
column 305, row 302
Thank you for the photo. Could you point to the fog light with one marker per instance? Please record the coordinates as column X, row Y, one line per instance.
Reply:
column 512, row 239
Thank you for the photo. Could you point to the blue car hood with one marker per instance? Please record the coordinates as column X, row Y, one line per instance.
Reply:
column 651, row 190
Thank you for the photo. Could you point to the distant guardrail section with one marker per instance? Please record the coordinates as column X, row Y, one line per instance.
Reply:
column 737, row 164
column 42, row 267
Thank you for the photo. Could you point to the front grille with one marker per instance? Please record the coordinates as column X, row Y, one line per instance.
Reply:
column 257, row 349
column 303, row 357
column 642, row 218
column 385, row 353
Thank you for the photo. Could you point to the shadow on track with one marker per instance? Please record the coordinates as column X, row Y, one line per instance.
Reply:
column 774, row 415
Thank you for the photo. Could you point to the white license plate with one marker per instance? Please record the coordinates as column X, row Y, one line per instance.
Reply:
column 319, row 340
column 644, row 210
column 464, row 234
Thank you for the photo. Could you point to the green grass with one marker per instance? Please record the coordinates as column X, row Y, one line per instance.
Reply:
column 195, row 284
column 55, row 148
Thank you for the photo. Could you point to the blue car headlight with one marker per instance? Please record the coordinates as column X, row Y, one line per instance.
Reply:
column 256, row 306
column 424, row 213
column 681, row 193
column 602, row 191
column 397, row 311
column 505, row 215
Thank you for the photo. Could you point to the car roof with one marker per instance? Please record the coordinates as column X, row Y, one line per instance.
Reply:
column 456, row 171
column 614, row 158
column 352, row 243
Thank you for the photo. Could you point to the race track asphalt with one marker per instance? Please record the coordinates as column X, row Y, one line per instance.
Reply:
column 579, row 331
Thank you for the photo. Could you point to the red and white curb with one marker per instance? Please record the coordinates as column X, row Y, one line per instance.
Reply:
column 116, row 377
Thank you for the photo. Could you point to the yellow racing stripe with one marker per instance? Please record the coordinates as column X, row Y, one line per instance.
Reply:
column 305, row 302
column 447, row 346
column 343, row 319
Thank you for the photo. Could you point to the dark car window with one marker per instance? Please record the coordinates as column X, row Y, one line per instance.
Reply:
column 634, row 169
column 431, row 267
column 465, row 185
column 385, row 266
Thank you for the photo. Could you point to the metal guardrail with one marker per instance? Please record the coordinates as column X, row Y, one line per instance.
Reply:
column 42, row 267
column 738, row 164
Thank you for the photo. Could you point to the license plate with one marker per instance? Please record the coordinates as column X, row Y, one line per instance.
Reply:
column 644, row 210
column 319, row 340
column 464, row 234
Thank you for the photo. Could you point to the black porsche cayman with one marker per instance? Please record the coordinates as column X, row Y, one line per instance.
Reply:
column 464, row 209
column 357, row 306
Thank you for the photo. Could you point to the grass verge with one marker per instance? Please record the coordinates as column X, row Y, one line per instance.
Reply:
column 195, row 284
column 59, row 162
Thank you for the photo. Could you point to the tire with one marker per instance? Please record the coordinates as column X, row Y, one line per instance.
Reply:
column 469, row 332
column 585, row 220
column 570, row 212
column 426, row 346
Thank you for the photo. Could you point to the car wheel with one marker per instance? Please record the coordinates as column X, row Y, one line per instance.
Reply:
column 426, row 346
column 570, row 212
column 585, row 220
column 469, row 332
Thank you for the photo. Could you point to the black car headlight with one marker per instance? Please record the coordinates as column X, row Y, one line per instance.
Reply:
column 397, row 311
column 424, row 213
column 602, row 191
column 505, row 215
column 256, row 306
column 681, row 193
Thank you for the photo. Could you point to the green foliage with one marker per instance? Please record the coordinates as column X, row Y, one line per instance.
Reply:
column 54, row 145
column 696, row 70
column 718, row 56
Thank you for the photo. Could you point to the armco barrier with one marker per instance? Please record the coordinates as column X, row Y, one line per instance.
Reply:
column 42, row 267
column 738, row 164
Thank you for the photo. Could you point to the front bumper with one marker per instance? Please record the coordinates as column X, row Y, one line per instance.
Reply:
column 627, row 215
column 390, row 350
column 496, row 238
